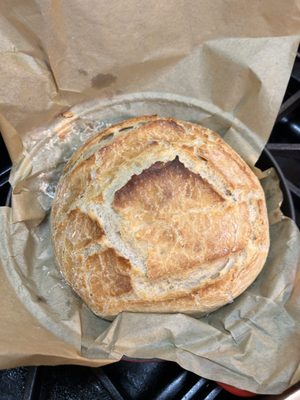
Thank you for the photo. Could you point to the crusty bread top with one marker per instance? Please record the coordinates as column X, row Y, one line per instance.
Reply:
column 159, row 215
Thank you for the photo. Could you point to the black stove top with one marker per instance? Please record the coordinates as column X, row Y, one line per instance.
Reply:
column 156, row 380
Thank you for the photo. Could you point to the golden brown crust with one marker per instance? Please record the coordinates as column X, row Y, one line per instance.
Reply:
column 158, row 215
column 170, row 194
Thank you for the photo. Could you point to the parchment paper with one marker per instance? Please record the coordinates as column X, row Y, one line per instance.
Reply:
column 223, row 64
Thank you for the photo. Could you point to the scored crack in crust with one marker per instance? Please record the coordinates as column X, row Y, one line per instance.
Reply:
column 158, row 215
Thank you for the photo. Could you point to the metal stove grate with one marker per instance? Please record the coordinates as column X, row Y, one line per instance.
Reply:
column 122, row 381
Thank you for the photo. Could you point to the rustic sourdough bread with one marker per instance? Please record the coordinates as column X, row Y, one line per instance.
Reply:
column 158, row 215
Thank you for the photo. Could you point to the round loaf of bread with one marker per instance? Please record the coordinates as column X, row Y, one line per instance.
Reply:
column 158, row 215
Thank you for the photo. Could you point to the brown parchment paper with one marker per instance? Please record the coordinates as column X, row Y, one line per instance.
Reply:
column 222, row 64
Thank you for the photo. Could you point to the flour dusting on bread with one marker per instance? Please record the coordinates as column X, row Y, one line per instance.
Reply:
column 158, row 215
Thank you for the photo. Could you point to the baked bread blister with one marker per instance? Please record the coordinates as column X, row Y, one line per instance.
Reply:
column 158, row 215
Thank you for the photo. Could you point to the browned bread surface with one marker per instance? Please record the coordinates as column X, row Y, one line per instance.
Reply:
column 158, row 215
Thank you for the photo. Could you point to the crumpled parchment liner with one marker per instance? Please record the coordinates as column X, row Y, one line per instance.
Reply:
column 236, row 57
column 251, row 343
